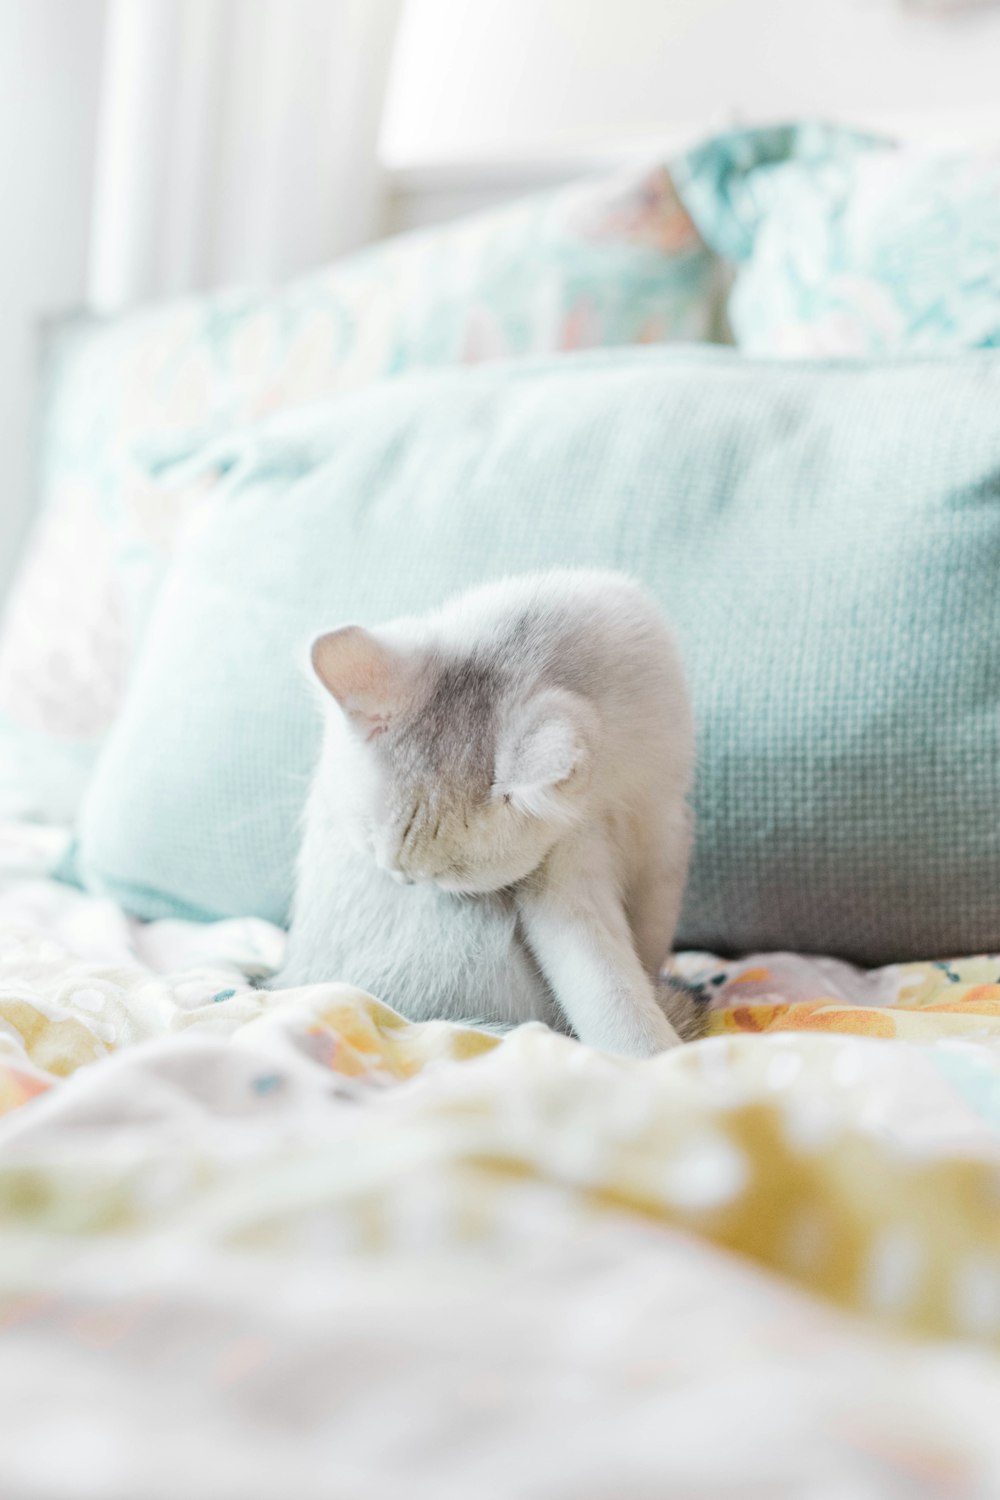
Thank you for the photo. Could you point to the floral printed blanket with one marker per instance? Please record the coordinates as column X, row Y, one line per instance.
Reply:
column 258, row 1244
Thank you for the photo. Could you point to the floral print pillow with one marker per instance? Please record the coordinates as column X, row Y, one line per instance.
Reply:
column 615, row 261
column 847, row 245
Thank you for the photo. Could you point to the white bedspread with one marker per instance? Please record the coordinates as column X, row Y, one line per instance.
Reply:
column 275, row 1246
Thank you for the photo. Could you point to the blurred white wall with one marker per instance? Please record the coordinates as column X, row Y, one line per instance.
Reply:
column 507, row 77
column 50, row 52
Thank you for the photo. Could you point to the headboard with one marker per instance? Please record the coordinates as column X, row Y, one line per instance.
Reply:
column 493, row 99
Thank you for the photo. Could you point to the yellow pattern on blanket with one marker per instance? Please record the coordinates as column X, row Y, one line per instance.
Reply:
column 786, row 992
column 864, row 1171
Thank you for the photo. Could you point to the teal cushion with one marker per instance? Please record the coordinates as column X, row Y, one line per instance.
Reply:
column 825, row 538
column 847, row 245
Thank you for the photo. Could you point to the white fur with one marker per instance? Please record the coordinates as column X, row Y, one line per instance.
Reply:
column 498, row 829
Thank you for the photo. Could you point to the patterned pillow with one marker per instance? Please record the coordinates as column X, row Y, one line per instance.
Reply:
column 849, row 246
column 616, row 261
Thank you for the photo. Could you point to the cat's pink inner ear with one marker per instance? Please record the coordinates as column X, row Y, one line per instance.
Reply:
column 361, row 673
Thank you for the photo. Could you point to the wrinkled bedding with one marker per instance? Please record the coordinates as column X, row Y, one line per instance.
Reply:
column 258, row 1244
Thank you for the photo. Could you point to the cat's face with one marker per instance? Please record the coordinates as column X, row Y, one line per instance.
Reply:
column 448, row 779
column 417, row 828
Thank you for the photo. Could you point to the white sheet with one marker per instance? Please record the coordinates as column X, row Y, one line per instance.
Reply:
column 243, row 1256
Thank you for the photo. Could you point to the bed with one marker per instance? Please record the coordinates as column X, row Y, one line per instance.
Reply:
column 259, row 1243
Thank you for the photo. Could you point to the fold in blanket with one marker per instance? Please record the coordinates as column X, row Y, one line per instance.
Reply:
column 276, row 1188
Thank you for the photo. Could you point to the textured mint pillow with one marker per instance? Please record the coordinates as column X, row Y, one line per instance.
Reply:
column 847, row 245
column 826, row 540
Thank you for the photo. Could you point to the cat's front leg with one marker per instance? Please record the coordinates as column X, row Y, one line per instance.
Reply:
column 576, row 926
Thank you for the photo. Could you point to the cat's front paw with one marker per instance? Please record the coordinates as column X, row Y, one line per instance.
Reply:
column 638, row 1036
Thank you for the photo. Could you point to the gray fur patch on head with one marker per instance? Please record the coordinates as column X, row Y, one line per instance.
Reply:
column 451, row 732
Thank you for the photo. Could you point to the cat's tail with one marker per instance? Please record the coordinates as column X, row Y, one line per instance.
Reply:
column 684, row 1008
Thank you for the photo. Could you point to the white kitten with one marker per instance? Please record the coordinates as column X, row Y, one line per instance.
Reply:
column 498, row 829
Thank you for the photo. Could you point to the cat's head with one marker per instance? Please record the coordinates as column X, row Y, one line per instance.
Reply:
column 452, row 774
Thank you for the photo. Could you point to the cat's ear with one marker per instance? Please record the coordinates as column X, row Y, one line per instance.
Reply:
column 544, row 758
column 370, row 680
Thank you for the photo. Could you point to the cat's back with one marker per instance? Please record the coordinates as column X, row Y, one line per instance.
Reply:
column 547, row 621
